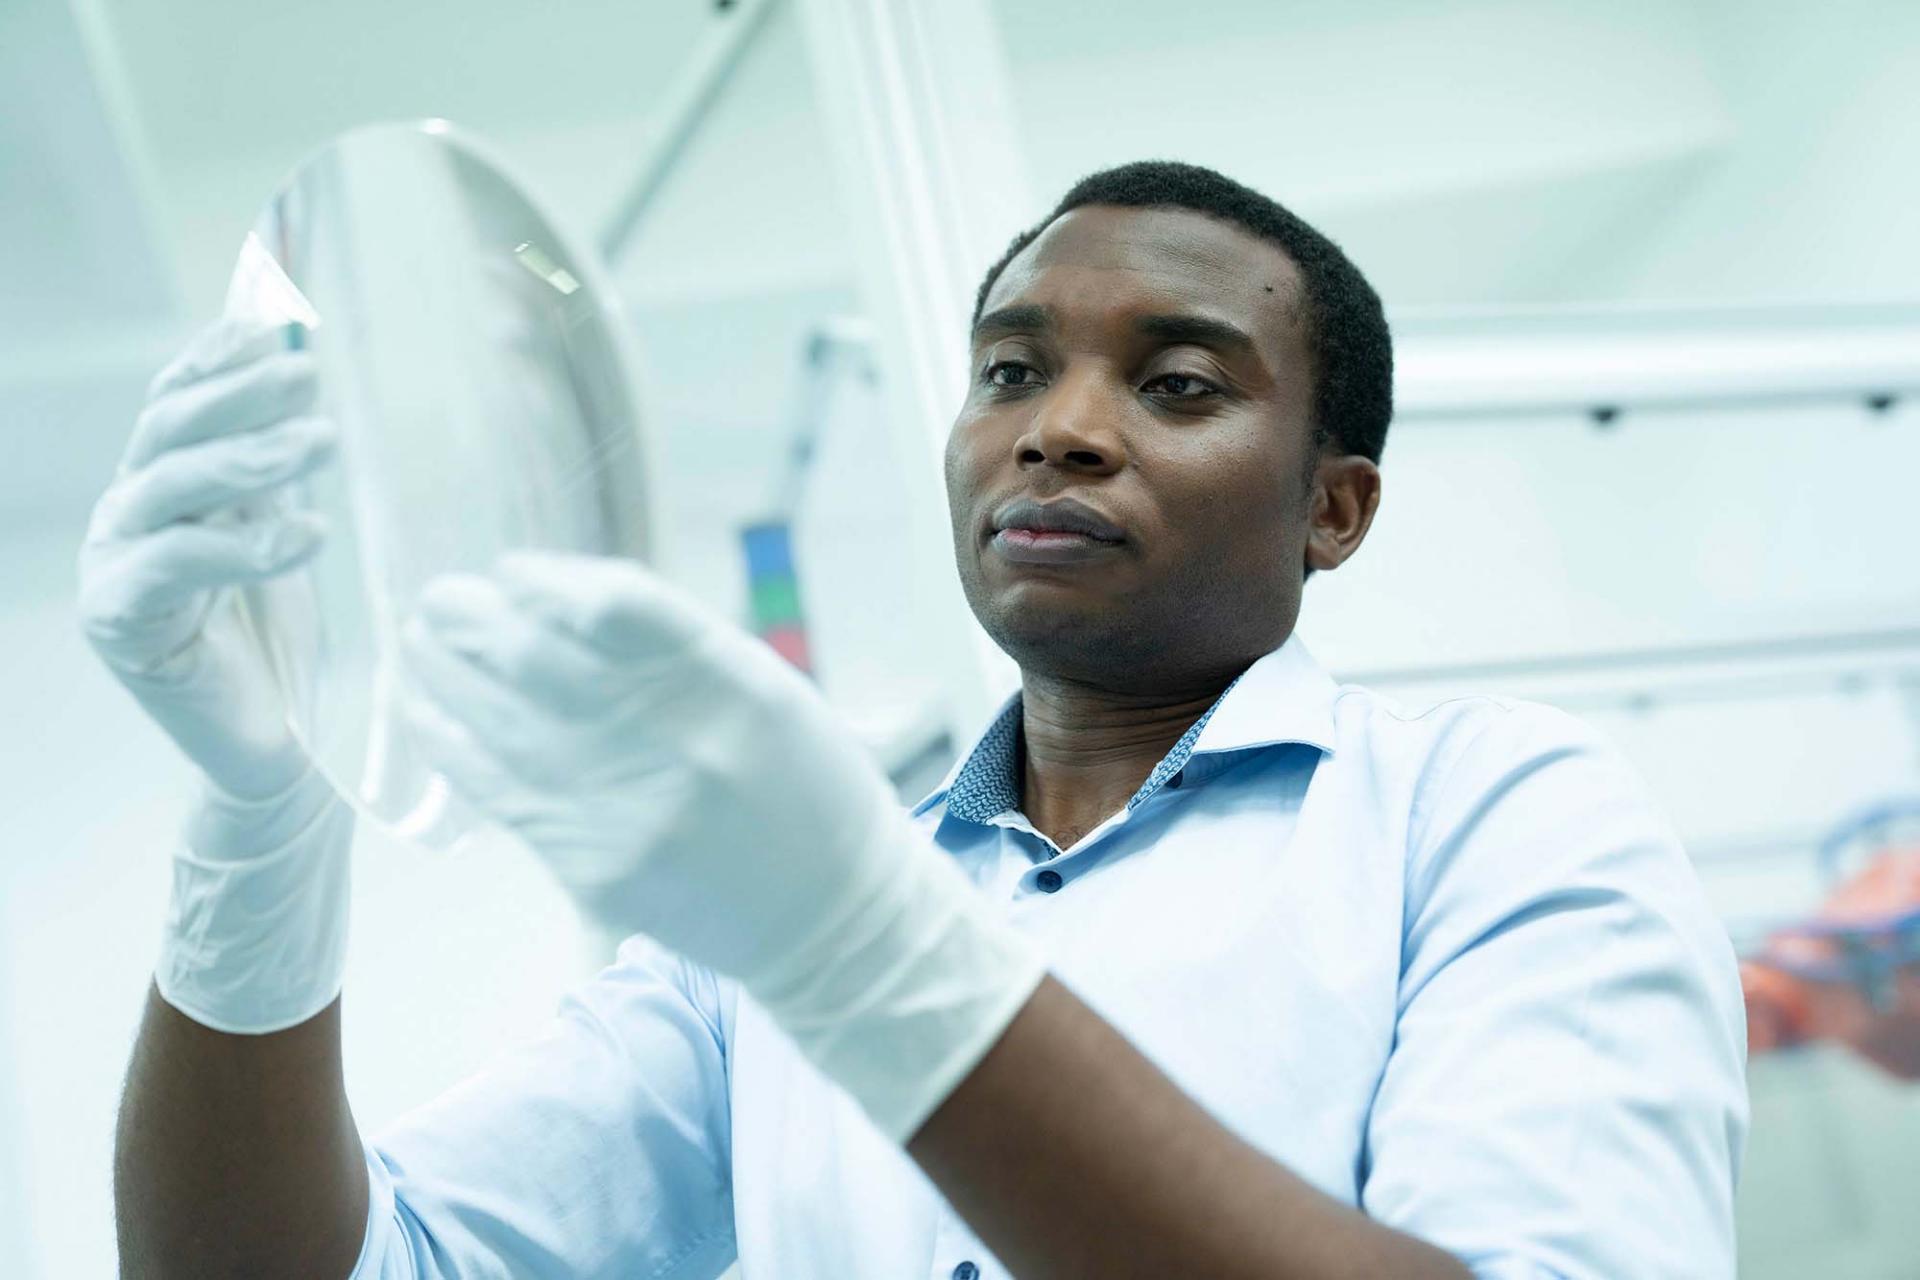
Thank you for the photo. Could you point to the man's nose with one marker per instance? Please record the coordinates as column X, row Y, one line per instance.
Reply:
column 1074, row 427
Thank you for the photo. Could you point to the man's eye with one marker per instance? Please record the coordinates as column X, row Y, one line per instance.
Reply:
column 1184, row 386
column 1010, row 373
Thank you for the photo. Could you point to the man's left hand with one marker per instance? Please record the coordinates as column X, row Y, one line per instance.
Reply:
column 685, row 782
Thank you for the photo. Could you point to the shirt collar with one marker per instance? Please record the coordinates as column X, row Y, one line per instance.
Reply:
column 1284, row 697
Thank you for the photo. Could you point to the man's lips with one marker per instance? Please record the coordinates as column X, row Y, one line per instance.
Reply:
column 1063, row 531
column 1061, row 515
column 1043, row 546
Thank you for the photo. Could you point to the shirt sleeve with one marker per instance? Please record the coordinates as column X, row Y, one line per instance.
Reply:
column 1566, row 1093
column 599, row 1149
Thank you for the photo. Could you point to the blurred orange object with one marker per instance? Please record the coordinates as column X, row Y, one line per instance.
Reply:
column 1850, row 974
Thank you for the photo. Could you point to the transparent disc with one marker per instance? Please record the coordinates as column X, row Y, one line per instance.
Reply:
column 477, row 368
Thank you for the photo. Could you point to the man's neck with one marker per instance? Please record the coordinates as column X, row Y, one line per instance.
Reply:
column 1087, row 750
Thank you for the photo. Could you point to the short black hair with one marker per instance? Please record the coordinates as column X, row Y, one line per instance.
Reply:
column 1346, row 327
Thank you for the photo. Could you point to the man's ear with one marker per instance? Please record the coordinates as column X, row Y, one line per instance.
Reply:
column 1346, row 493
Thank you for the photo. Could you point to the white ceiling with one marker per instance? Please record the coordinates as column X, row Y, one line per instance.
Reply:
column 1470, row 151
column 1466, row 152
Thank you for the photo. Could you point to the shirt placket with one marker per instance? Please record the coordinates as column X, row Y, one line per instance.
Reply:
column 957, row 1254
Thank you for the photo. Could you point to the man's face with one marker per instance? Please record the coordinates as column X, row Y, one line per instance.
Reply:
column 1147, row 371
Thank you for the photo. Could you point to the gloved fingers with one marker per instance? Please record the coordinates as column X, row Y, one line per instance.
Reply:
column 227, row 343
column 449, row 748
column 126, row 583
column 512, row 729
column 612, row 605
column 267, row 389
column 474, row 617
column 200, row 479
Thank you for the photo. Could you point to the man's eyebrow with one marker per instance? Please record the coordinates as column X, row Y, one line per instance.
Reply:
column 1025, row 318
column 1203, row 330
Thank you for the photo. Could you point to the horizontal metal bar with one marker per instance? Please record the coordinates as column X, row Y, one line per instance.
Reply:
column 1761, row 650
column 1607, row 405
column 1550, row 361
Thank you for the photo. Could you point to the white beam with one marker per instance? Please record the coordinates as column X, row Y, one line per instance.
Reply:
column 1552, row 360
column 915, row 96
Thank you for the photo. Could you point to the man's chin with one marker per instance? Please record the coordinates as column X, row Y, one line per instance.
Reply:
column 1049, row 632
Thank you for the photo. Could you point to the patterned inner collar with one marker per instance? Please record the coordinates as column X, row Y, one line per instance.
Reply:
column 988, row 784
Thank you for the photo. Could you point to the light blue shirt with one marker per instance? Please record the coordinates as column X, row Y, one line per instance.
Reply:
column 1451, row 967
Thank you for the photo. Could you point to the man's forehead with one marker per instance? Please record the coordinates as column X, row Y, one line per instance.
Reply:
column 1161, row 257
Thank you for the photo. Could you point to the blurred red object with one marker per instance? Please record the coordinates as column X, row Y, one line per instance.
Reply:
column 1850, row 974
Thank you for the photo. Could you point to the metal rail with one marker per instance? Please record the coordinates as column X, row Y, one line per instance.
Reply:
column 711, row 65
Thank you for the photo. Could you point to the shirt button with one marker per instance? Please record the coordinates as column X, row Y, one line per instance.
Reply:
column 1049, row 882
column 966, row 1271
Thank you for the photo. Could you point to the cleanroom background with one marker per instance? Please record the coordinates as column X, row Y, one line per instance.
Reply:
column 1728, row 586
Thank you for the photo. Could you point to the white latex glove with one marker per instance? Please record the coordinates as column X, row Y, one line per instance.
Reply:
column 255, row 939
column 683, row 781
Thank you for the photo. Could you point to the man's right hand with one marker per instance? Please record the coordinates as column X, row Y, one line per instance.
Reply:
column 236, row 1153
column 255, row 939
column 195, row 510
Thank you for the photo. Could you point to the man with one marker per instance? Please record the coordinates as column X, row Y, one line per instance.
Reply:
column 1338, row 989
